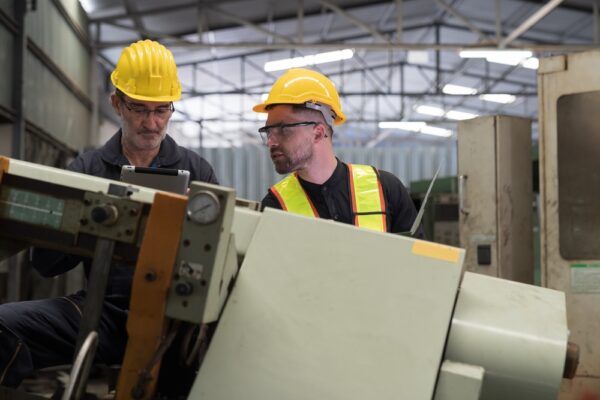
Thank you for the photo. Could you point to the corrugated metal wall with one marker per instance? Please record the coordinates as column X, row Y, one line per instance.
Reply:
column 249, row 169
column 56, row 77
column 48, row 102
column 6, row 85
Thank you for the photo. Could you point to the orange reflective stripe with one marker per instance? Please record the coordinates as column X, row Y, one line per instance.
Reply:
column 352, row 195
column 279, row 198
column 367, row 198
column 4, row 162
column 293, row 198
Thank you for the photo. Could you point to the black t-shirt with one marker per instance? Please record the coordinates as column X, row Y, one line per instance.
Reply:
column 332, row 199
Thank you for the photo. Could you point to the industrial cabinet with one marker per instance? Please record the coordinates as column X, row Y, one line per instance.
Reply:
column 496, row 196
column 569, row 102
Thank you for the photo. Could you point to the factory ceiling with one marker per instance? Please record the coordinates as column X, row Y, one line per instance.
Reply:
column 402, row 60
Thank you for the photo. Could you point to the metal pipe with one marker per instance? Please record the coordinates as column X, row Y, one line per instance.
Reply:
column 399, row 20
column 18, row 64
column 596, row 22
column 360, row 45
column 498, row 21
column 529, row 22
column 464, row 19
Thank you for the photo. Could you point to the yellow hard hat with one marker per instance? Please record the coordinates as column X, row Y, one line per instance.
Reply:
column 305, row 87
column 146, row 71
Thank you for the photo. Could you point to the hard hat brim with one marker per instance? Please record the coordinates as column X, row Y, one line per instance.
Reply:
column 262, row 108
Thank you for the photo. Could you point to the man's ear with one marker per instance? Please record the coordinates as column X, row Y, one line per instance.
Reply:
column 321, row 132
column 114, row 102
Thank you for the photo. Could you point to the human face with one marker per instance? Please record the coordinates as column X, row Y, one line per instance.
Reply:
column 291, row 147
column 143, row 123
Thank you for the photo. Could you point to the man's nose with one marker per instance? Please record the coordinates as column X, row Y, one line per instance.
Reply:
column 150, row 119
column 272, row 141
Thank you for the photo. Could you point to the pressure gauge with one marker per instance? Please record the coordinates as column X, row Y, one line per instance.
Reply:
column 203, row 207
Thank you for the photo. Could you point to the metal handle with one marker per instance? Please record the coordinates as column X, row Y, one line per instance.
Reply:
column 461, row 194
column 81, row 368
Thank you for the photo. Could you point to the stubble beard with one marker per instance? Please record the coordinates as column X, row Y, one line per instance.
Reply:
column 292, row 162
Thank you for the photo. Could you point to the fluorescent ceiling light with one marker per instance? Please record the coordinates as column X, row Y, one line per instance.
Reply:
column 520, row 54
column 459, row 115
column 531, row 63
column 457, row 89
column 87, row 5
column 312, row 59
column 436, row 131
column 418, row 57
column 430, row 110
column 498, row 98
column 420, row 127
column 405, row 125
column 507, row 57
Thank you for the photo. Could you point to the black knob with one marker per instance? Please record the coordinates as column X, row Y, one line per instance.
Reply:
column 106, row 214
column 184, row 288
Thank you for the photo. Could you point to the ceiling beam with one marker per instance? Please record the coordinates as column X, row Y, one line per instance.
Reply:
column 137, row 20
column 529, row 22
column 354, row 20
column 356, row 45
column 249, row 24
column 464, row 20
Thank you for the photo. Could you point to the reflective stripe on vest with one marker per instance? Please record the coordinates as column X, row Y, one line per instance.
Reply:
column 293, row 198
column 368, row 204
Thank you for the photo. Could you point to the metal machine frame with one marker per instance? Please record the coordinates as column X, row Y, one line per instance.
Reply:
column 318, row 308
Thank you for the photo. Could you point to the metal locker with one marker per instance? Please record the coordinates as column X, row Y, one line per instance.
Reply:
column 496, row 196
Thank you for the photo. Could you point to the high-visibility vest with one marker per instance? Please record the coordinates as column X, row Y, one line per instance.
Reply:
column 368, row 203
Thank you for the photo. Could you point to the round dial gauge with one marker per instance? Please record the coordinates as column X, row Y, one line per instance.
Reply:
column 203, row 207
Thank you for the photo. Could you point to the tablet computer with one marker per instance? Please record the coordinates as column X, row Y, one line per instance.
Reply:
column 166, row 179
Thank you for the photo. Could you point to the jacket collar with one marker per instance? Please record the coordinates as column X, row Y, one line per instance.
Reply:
column 168, row 155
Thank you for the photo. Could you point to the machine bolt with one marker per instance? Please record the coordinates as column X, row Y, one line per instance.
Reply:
column 150, row 276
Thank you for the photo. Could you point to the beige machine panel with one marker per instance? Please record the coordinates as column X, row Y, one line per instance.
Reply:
column 327, row 310
column 569, row 100
column 496, row 196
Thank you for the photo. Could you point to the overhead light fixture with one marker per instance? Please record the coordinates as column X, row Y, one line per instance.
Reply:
column 496, row 54
column 531, row 63
column 436, row 111
column 457, row 89
column 436, row 131
column 507, row 57
column 419, row 127
column 417, row 57
column 430, row 110
column 459, row 115
column 498, row 98
column 313, row 59
column 405, row 125
column 87, row 5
